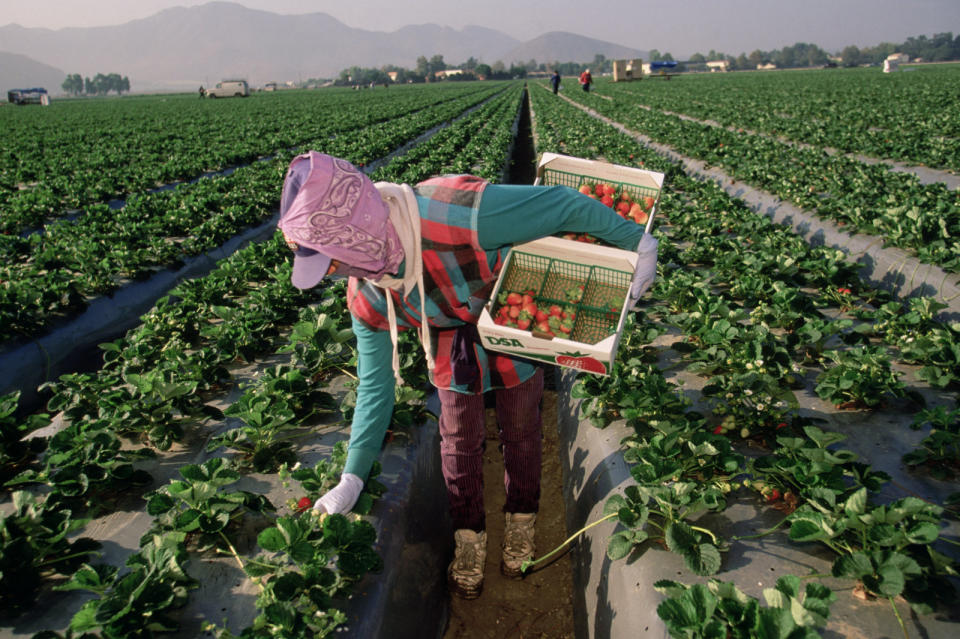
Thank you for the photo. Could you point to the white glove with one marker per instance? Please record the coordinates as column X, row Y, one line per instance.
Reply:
column 341, row 498
column 646, row 267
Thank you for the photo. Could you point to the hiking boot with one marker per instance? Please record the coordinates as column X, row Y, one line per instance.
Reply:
column 465, row 574
column 518, row 544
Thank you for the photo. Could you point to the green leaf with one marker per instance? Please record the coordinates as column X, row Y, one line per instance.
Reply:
column 272, row 540
column 620, row 545
column 288, row 586
column 703, row 559
column 680, row 537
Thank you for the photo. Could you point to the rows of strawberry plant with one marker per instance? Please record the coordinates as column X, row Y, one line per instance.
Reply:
column 49, row 275
column 924, row 219
column 752, row 303
column 477, row 145
column 907, row 117
column 112, row 148
column 156, row 383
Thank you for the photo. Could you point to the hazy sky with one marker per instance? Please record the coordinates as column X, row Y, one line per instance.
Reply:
column 681, row 28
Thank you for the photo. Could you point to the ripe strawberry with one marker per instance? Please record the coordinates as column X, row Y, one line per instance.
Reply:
column 514, row 312
column 523, row 323
column 648, row 203
column 607, row 201
column 623, row 207
column 586, row 190
column 303, row 504
column 555, row 310
column 514, row 298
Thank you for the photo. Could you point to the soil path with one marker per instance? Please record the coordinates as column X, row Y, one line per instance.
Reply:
column 541, row 605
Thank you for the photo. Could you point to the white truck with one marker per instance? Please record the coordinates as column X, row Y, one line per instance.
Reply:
column 229, row 89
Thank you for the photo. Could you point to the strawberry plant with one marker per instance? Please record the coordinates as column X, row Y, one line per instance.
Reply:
column 860, row 377
column 658, row 513
column 36, row 543
column 888, row 549
column 807, row 466
column 296, row 576
column 939, row 452
column 135, row 603
column 197, row 505
column 721, row 610
column 15, row 450
column 270, row 409
column 84, row 458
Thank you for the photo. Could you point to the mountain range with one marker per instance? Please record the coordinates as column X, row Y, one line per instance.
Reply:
column 183, row 47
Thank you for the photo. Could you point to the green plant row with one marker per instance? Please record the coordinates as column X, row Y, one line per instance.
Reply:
column 871, row 199
column 115, row 148
column 906, row 116
column 156, row 382
column 682, row 460
column 51, row 275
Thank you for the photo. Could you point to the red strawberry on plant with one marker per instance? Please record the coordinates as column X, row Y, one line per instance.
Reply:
column 304, row 504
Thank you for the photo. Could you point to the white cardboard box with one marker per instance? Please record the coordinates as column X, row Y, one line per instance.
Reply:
column 594, row 358
column 554, row 168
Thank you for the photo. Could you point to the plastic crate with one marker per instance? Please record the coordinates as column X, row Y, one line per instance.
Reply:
column 548, row 268
column 594, row 293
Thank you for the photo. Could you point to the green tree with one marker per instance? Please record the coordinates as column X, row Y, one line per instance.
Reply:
column 697, row 58
column 483, row 71
column 850, row 56
column 73, row 84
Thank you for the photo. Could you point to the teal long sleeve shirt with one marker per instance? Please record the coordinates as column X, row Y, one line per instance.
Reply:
column 508, row 215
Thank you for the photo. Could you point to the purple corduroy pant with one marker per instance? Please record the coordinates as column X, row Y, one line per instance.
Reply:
column 462, row 436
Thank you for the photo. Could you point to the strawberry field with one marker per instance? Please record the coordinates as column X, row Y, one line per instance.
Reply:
column 774, row 408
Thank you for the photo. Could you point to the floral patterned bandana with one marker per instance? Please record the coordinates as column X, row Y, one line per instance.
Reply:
column 331, row 211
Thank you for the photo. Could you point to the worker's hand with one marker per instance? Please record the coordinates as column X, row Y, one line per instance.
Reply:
column 646, row 268
column 340, row 499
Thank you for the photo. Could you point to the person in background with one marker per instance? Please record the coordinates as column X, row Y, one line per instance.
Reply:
column 555, row 81
column 426, row 258
column 585, row 80
column 202, row 91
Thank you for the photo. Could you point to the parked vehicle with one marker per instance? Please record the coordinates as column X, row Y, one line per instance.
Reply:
column 229, row 89
column 37, row 95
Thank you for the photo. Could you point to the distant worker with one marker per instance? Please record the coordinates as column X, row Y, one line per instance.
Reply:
column 555, row 81
column 202, row 91
column 585, row 80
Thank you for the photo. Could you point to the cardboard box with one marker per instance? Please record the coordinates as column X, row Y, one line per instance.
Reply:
column 554, row 169
column 551, row 266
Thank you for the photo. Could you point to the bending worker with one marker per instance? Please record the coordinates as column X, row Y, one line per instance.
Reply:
column 433, row 251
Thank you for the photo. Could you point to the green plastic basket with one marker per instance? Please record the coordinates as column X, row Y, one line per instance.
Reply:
column 556, row 281
column 553, row 177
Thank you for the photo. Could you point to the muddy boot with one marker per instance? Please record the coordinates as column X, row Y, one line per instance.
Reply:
column 518, row 544
column 465, row 574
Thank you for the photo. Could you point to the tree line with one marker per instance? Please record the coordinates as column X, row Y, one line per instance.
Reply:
column 100, row 84
column 941, row 47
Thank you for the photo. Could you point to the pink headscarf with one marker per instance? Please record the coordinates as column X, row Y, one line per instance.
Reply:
column 332, row 211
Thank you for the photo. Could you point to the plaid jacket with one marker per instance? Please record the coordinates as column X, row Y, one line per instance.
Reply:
column 458, row 276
